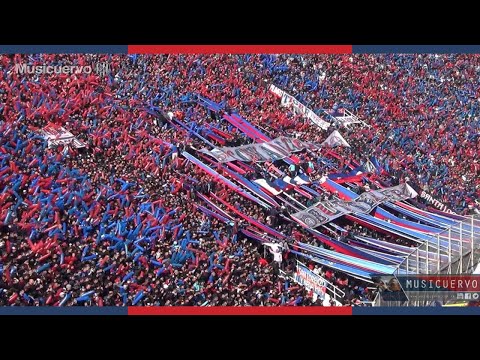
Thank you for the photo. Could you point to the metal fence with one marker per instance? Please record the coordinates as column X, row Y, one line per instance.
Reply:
column 454, row 251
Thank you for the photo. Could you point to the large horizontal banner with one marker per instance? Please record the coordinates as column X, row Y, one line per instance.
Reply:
column 289, row 101
column 327, row 211
column 276, row 149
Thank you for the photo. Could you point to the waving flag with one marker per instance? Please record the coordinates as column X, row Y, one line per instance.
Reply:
column 335, row 139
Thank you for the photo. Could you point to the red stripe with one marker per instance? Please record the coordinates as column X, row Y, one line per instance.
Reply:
column 236, row 168
column 339, row 247
column 411, row 208
column 354, row 179
column 240, row 49
column 235, row 310
column 221, row 133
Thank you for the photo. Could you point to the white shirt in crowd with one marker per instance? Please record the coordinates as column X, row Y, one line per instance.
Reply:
column 277, row 253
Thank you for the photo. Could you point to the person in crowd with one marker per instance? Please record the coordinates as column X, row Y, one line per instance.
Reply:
column 118, row 222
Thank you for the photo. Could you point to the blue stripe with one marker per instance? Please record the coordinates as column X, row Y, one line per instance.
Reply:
column 348, row 248
column 212, row 213
column 366, row 265
column 215, row 174
column 404, row 310
column 53, row 310
column 64, row 49
column 418, row 226
column 414, row 215
column 342, row 190
column 415, row 49
column 393, row 227
column 334, row 265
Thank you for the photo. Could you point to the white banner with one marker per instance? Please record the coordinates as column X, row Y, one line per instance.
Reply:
column 310, row 280
column 276, row 149
column 290, row 101
column 346, row 118
column 57, row 135
column 335, row 139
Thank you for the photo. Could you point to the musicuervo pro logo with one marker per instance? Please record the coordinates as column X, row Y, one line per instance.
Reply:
column 100, row 68
column 52, row 69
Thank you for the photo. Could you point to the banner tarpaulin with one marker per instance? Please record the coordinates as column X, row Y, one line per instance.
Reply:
column 289, row 101
column 310, row 280
column 431, row 200
column 57, row 135
column 276, row 149
column 327, row 211
column 399, row 192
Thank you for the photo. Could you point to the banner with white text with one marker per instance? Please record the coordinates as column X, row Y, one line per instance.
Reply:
column 289, row 101
column 276, row 149
column 327, row 211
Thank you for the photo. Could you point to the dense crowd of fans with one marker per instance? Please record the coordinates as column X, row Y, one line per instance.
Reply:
column 118, row 223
